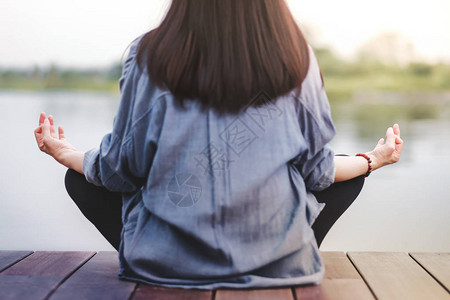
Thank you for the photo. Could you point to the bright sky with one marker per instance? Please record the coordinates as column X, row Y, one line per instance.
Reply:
column 96, row 32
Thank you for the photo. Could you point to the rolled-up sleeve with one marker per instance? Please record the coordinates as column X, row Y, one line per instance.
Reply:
column 316, row 161
column 108, row 166
column 111, row 165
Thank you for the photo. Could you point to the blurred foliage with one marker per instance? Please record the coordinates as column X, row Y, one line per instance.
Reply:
column 343, row 78
column 56, row 78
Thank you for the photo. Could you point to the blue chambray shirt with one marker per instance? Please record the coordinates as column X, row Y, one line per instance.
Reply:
column 215, row 201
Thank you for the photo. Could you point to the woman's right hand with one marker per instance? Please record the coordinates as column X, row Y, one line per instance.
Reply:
column 387, row 151
column 49, row 142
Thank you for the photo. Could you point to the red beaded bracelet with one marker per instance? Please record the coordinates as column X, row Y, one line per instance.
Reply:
column 369, row 163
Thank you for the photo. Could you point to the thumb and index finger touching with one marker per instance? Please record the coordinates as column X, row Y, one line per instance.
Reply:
column 393, row 138
column 396, row 130
column 398, row 139
column 390, row 137
column 46, row 127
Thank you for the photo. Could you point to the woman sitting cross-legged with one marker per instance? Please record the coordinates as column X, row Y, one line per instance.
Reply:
column 217, row 171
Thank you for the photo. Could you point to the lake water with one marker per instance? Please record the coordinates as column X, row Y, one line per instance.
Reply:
column 405, row 207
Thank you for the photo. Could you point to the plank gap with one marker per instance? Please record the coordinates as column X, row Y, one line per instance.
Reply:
column 429, row 272
column 39, row 273
column 53, row 290
column 341, row 281
column 96, row 279
column 134, row 291
column 361, row 275
column 395, row 275
column 16, row 260
column 294, row 294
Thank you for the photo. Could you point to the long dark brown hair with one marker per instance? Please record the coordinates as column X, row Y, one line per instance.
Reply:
column 224, row 52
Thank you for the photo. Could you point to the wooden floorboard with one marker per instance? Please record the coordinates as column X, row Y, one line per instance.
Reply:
column 8, row 258
column 87, row 275
column 396, row 276
column 147, row 292
column 96, row 279
column 437, row 264
column 39, row 274
column 263, row 294
column 341, row 281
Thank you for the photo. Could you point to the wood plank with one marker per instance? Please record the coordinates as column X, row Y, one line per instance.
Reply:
column 335, row 289
column 341, row 281
column 38, row 274
column 338, row 266
column 396, row 275
column 437, row 264
column 148, row 292
column 8, row 258
column 96, row 279
column 260, row 294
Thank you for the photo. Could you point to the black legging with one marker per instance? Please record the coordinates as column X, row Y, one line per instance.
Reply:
column 104, row 208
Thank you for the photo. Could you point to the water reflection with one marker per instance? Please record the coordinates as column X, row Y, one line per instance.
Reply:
column 402, row 208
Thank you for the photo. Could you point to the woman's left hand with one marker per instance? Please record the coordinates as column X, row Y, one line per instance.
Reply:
column 49, row 142
column 387, row 151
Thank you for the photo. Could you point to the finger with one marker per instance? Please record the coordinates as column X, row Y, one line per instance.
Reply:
column 398, row 141
column 46, row 129
column 41, row 118
column 398, row 145
column 52, row 128
column 37, row 135
column 61, row 133
column 390, row 137
column 380, row 143
column 396, row 129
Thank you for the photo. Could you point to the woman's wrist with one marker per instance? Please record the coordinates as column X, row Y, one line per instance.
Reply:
column 63, row 155
column 375, row 162
column 71, row 159
column 348, row 167
column 368, row 162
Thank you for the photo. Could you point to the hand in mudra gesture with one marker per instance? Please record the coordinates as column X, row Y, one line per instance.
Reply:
column 48, row 141
column 387, row 151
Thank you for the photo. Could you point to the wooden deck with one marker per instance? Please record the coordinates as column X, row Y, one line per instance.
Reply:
column 356, row 275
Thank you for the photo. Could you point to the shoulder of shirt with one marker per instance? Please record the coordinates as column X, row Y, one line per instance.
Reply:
column 136, row 76
column 312, row 81
column 311, row 96
column 313, row 77
column 133, row 50
column 130, row 66
column 135, row 44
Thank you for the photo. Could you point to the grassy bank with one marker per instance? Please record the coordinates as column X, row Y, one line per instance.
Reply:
column 342, row 78
column 55, row 78
column 39, row 84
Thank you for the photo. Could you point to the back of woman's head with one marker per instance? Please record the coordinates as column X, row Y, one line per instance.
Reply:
column 224, row 52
